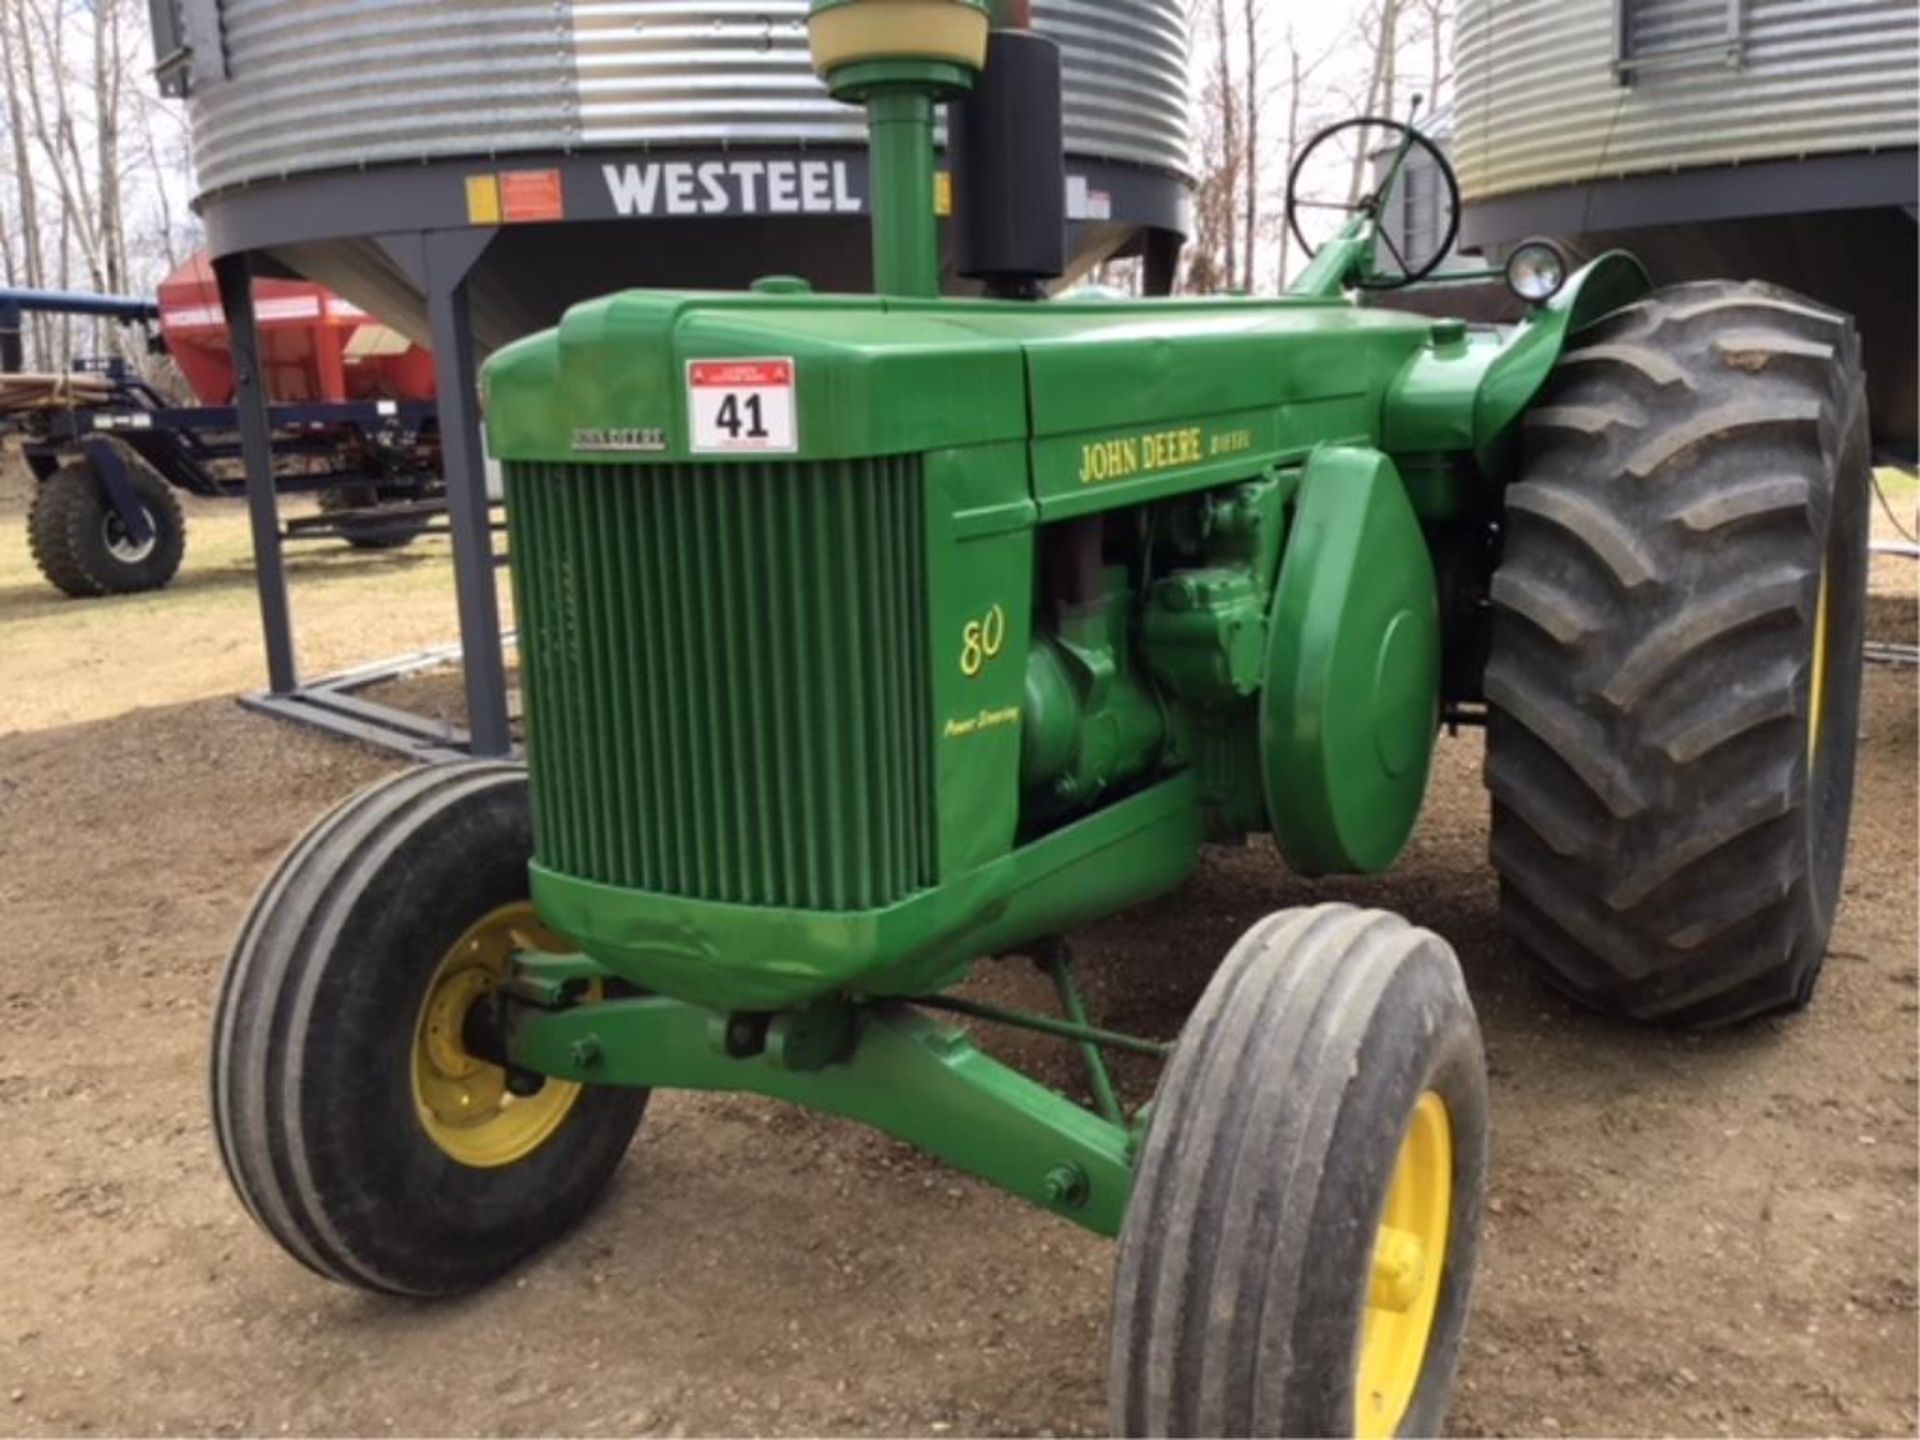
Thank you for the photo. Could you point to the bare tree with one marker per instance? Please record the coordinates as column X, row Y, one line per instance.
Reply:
column 1438, row 15
column 109, row 78
column 25, row 211
column 9, row 260
column 1296, row 79
column 1213, row 251
column 1384, row 74
column 155, row 116
column 51, row 90
column 1260, row 91
column 95, row 161
column 1232, row 155
column 1250, row 16
column 1380, row 30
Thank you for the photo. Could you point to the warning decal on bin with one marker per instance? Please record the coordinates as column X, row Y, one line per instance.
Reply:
column 742, row 406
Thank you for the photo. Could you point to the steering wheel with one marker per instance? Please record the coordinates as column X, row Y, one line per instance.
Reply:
column 1372, row 160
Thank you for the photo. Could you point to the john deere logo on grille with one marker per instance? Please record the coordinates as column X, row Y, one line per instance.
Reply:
column 646, row 438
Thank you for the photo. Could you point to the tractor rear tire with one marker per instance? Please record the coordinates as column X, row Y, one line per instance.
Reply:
column 354, row 1124
column 80, row 544
column 1299, row 1249
column 1674, row 684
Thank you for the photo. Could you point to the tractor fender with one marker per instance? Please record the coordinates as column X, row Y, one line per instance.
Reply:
column 1523, row 364
column 1468, row 391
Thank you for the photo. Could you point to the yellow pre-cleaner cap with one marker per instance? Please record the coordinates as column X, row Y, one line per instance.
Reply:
column 851, row 32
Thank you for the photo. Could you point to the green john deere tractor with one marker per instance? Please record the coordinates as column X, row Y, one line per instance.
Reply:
column 865, row 637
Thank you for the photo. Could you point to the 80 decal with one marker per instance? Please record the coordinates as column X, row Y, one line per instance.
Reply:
column 982, row 640
column 742, row 407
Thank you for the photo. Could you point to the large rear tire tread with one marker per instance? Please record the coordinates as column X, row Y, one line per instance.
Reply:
column 1666, row 849
column 312, row 1028
column 65, row 533
column 1241, row 1279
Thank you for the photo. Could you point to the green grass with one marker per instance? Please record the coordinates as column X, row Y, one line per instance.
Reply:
column 1898, row 485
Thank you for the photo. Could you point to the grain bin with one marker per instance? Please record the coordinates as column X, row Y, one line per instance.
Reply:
column 466, row 171
column 321, row 124
column 1765, row 138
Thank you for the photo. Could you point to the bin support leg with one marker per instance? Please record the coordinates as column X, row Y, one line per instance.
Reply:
column 1161, row 269
column 235, row 279
column 448, row 258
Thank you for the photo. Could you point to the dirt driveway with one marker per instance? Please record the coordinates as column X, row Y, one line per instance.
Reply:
column 1687, row 1235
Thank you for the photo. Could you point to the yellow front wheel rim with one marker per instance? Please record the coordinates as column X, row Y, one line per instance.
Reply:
column 1403, row 1279
column 1817, row 682
column 463, row 1102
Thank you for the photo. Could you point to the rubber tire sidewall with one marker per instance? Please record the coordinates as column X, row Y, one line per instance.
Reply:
column 392, row 1210
column 1241, row 1280
column 1641, row 888
column 1830, row 783
column 1405, row 1059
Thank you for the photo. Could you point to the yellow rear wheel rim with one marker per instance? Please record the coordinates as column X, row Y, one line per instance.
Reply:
column 463, row 1102
column 1817, row 692
column 1403, row 1280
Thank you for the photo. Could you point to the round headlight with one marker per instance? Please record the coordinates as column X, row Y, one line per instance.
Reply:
column 1536, row 270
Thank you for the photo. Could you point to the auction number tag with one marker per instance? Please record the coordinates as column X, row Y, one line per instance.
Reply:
column 742, row 407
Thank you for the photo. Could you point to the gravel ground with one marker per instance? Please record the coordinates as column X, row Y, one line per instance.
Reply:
column 1687, row 1235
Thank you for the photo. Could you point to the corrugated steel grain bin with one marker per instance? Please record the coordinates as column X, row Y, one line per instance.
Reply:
column 320, row 123
column 1568, row 92
column 1766, row 138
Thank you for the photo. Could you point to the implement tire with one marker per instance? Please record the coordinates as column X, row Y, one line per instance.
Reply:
column 353, row 1123
column 1674, row 684
column 368, row 531
column 1299, row 1249
column 80, row 545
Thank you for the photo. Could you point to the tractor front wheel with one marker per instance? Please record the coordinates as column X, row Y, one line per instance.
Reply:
column 83, row 547
column 1300, row 1243
column 354, row 1118
column 1674, row 687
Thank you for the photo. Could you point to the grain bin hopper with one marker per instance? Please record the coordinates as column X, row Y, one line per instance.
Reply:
column 320, row 127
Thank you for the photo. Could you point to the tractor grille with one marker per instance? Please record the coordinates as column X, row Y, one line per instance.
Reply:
column 726, row 678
